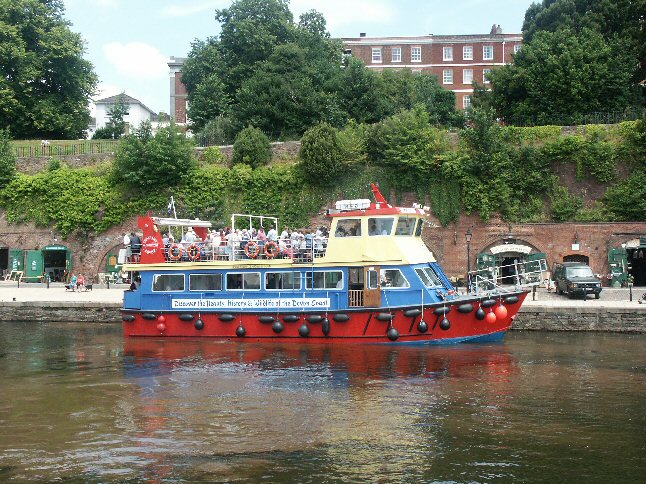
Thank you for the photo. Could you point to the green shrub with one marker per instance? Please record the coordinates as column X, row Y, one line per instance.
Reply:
column 564, row 205
column 214, row 156
column 251, row 147
column 321, row 154
column 7, row 159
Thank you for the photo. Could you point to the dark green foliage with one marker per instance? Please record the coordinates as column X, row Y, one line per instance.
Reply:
column 321, row 154
column 147, row 163
column 218, row 131
column 251, row 147
column 563, row 73
column 7, row 159
column 564, row 205
column 627, row 199
column 45, row 84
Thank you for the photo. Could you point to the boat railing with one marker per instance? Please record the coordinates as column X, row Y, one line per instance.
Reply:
column 299, row 251
column 509, row 277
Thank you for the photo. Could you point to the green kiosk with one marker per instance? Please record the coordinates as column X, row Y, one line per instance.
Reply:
column 54, row 261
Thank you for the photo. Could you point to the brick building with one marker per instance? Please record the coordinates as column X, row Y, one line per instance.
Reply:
column 457, row 60
column 178, row 93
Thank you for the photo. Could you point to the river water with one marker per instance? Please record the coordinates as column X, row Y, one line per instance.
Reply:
column 80, row 403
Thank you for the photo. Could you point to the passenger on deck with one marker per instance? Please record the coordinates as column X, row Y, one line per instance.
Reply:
column 272, row 234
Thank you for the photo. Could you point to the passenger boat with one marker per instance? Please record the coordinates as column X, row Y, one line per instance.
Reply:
column 372, row 280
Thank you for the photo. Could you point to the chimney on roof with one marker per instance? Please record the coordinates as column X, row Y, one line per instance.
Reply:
column 499, row 29
column 362, row 34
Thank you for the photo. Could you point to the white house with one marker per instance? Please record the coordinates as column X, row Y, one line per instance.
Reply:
column 137, row 112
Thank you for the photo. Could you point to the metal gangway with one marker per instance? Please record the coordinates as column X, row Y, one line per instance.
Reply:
column 523, row 275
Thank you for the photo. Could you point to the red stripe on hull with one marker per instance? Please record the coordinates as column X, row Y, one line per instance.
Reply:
column 363, row 325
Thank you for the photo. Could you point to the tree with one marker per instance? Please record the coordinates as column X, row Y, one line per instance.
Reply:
column 146, row 162
column 282, row 99
column 115, row 128
column 7, row 159
column 563, row 73
column 251, row 147
column 617, row 21
column 250, row 31
column 45, row 84
column 321, row 154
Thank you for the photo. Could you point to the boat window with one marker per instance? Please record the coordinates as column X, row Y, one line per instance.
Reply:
column 428, row 277
column 419, row 228
column 168, row 282
column 393, row 278
column 240, row 281
column 405, row 226
column 325, row 280
column 283, row 280
column 380, row 226
column 372, row 279
column 205, row 282
column 348, row 227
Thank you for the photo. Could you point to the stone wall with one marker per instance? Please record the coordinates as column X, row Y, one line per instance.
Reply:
column 85, row 312
column 615, row 320
column 37, row 164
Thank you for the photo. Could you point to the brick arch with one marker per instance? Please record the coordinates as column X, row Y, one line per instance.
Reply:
column 104, row 255
column 494, row 240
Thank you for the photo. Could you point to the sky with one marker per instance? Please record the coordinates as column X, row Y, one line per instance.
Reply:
column 131, row 41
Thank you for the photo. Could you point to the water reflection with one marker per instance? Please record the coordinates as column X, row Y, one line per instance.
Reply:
column 79, row 401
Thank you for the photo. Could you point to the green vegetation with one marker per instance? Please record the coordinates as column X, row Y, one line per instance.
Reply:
column 523, row 174
column 45, row 83
column 7, row 159
column 146, row 163
column 251, row 147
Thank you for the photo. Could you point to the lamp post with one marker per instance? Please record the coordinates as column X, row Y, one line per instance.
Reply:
column 468, row 236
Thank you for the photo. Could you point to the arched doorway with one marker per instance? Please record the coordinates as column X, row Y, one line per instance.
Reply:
column 577, row 258
column 506, row 259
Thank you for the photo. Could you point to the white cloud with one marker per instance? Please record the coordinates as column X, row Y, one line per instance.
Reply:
column 137, row 60
column 339, row 13
column 185, row 10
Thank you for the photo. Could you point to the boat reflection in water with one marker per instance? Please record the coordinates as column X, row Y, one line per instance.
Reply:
column 250, row 399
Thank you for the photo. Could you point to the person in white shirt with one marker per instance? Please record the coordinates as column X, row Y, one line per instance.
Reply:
column 272, row 234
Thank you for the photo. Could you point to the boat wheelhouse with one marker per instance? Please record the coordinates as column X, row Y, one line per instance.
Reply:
column 371, row 279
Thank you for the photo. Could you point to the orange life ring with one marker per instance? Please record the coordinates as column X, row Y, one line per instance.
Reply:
column 171, row 252
column 251, row 249
column 271, row 249
column 193, row 252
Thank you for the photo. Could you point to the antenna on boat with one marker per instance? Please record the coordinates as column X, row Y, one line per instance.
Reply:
column 379, row 198
column 171, row 207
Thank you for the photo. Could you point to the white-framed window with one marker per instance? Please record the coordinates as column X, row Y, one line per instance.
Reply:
column 405, row 225
column 428, row 277
column 348, row 227
column 467, row 52
column 447, row 76
column 324, row 280
column 168, row 282
column 447, row 53
column 396, row 54
column 467, row 76
column 517, row 48
column 243, row 281
column 392, row 278
column 282, row 280
column 487, row 52
column 485, row 76
column 466, row 102
column 205, row 282
column 376, row 54
column 416, row 54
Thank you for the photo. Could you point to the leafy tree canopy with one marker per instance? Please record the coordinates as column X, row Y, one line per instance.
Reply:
column 147, row 163
column 563, row 73
column 45, row 84
column 321, row 154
